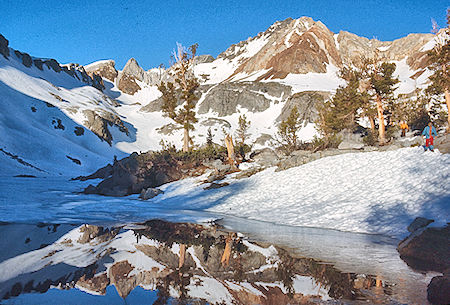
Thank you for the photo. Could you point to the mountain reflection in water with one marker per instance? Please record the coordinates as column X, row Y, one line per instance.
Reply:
column 161, row 262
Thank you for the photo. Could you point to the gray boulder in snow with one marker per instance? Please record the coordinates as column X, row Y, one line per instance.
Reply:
column 218, row 166
column 150, row 193
column 348, row 144
column 408, row 142
column 265, row 157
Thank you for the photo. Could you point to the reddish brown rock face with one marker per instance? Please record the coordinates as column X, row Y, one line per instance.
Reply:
column 304, row 45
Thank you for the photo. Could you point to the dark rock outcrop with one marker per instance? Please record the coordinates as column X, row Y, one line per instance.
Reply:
column 26, row 58
column 438, row 291
column 137, row 172
column 4, row 49
column 53, row 64
column 427, row 249
column 98, row 123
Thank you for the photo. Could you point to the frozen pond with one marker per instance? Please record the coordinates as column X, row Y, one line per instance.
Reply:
column 90, row 249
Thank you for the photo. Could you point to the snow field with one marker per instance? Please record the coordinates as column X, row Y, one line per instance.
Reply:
column 374, row 192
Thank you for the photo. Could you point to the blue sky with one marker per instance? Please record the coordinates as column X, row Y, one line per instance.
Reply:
column 85, row 31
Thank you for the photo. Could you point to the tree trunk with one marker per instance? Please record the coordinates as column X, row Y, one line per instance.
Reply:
column 230, row 150
column 372, row 124
column 381, row 127
column 182, row 255
column 225, row 260
column 447, row 100
column 186, row 140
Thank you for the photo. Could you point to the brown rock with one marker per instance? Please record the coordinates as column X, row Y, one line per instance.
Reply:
column 97, row 283
column 127, row 84
column 427, row 249
column 438, row 291
column 104, row 69
column 118, row 274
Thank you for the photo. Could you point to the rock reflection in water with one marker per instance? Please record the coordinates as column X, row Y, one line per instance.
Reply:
column 183, row 263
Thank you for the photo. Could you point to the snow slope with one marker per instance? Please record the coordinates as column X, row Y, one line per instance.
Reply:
column 374, row 192
column 39, row 111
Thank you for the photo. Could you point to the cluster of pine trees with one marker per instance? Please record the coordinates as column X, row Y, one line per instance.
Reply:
column 369, row 95
column 179, row 97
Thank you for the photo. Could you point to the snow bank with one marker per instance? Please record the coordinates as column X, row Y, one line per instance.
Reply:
column 375, row 192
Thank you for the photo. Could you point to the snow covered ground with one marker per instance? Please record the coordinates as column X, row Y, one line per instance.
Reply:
column 373, row 192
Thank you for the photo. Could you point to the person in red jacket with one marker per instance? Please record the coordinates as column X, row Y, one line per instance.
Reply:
column 428, row 133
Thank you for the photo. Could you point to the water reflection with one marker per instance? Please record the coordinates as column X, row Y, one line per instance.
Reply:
column 172, row 262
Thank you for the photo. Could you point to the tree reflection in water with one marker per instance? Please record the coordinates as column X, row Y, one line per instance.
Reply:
column 185, row 262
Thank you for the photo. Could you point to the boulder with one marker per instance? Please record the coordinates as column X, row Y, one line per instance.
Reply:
column 442, row 143
column 264, row 139
column 4, row 49
column 350, row 140
column 427, row 249
column 348, row 144
column 265, row 157
column 168, row 129
column 150, row 193
column 418, row 223
column 409, row 141
column 438, row 291
column 219, row 167
column 215, row 185
column 215, row 122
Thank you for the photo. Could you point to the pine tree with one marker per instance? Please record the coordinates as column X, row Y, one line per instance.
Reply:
column 287, row 130
column 382, row 83
column 209, row 137
column 439, row 59
column 242, row 131
column 341, row 112
column 182, row 92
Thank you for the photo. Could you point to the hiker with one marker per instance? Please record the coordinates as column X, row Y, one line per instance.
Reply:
column 428, row 133
column 404, row 128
